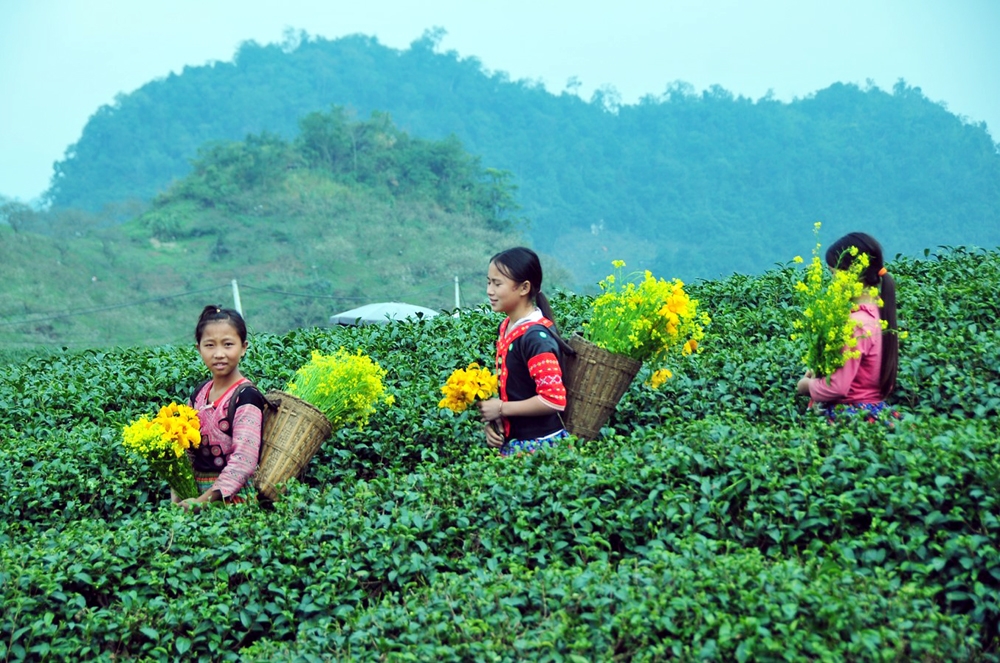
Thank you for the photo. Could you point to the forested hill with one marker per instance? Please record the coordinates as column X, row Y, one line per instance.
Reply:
column 686, row 184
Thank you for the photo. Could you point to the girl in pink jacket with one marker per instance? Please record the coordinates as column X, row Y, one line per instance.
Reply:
column 862, row 384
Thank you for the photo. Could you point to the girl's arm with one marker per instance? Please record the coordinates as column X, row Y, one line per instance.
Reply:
column 242, row 461
column 494, row 408
column 192, row 503
column 839, row 383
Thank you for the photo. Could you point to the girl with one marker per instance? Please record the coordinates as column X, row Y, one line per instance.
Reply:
column 532, row 393
column 227, row 455
column 862, row 384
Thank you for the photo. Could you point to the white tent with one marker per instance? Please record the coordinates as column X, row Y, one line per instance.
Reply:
column 381, row 314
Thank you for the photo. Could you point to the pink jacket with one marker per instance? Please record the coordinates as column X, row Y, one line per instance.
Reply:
column 857, row 380
column 241, row 449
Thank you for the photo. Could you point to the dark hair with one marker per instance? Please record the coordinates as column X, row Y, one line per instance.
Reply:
column 215, row 313
column 838, row 256
column 521, row 264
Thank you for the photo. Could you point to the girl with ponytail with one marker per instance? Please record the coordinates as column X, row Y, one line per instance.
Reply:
column 526, row 416
column 863, row 383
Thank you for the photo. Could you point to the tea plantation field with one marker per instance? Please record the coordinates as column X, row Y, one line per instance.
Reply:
column 715, row 520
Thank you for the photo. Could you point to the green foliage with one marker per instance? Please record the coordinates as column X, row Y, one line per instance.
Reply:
column 392, row 218
column 715, row 520
column 687, row 184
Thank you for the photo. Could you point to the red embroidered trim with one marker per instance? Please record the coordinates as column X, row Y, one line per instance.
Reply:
column 504, row 343
column 544, row 368
column 220, row 399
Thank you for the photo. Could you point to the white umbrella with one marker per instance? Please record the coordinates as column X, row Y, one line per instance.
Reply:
column 380, row 314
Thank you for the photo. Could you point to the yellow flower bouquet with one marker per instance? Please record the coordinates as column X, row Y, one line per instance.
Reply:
column 467, row 385
column 163, row 441
column 345, row 387
column 826, row 300
column 645, row 321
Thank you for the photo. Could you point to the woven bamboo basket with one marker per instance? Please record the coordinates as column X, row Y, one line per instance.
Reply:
column 292, row 435
column 595, row 381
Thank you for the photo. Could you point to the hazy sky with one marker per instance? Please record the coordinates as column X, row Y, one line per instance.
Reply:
column 60, row 60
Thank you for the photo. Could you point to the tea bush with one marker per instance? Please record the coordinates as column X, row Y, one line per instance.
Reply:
column 716, row 519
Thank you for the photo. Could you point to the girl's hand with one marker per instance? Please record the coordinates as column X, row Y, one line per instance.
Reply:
column 174, row 498
column 494, row 438
column 803, row 385
column 190, row 504
column 490, row 410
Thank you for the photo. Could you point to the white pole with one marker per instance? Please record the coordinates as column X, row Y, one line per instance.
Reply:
column 236, row 298
column 458, row 302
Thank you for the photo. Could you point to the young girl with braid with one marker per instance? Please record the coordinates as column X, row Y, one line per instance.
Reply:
column 530, row 381
column 862, row 384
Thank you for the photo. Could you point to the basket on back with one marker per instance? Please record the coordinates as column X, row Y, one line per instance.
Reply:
column 292, row 436
column 595, row 381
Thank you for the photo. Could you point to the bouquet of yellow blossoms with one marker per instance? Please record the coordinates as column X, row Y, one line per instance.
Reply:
column 163, row 440
column 343, row 386
column 825, row 326
column 467, row 385
column 645, row 321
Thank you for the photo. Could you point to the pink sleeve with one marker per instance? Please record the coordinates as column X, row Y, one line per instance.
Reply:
column 839, row 384
column 246, row 450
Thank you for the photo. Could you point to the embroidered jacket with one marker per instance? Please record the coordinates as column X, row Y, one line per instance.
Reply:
column 527, row 363
column 233, row 454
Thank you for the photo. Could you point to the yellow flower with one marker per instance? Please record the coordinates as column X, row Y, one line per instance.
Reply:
column 645, row 320
column 617, row 264
column 826, row 302
column 797, row 259
column 659, row 377
column 345, row 387
column 163, row 440
column 467, row 385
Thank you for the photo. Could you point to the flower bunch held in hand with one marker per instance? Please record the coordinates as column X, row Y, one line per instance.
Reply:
column 644, row 321
column 826, row 300
column 467, row 385
column 345, row 387
column 163, row 440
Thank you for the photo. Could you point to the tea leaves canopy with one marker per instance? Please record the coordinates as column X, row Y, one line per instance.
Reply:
column 715, row 520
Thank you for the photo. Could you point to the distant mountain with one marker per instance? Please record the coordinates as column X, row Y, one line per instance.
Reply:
column 345, row 213
column 690, row 185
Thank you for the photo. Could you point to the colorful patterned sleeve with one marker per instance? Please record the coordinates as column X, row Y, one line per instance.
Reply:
column 242, row 461
column 545, row 371
column 543, row 366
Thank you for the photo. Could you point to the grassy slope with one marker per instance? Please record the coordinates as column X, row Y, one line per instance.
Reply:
column 338, row 247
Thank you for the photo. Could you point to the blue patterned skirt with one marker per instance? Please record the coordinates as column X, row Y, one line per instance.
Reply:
column 514, row 447
column 860, row 412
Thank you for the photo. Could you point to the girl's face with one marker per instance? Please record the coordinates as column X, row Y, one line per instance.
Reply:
column 504, row 293
column 221, row 349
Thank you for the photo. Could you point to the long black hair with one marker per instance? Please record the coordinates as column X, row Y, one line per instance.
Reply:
column 521, row 264
column 838, row 256
column 213, row 313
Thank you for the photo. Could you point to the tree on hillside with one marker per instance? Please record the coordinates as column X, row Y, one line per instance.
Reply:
column 374, row 154
column 325, row 141
column 15, row 214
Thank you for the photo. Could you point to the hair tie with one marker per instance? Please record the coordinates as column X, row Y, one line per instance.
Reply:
column 883, row 271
